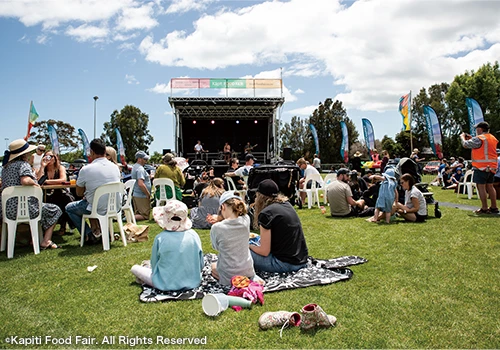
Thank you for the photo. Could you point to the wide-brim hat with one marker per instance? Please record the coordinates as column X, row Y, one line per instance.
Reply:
column 173, row 216
column 17, row 148
column 357, row 154
column 415, row 150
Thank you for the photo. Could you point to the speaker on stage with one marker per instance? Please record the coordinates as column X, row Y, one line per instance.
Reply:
column 166, row 150
column 219, row 170
column 287, row 153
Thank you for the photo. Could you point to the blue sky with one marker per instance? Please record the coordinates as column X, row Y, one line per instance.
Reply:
column 61, row 53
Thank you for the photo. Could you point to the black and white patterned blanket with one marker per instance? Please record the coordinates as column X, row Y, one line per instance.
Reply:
column 317, row 272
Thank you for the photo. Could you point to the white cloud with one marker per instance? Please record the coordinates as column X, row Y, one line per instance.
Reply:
column 373, row 50
column 24, row 39
column 303, row 111
column 299, row 91
column 42, row 39
column 181, row 6
column 131, row 79
column 126, row 46
column 87, row 33
column 160, row 88
column 137, row 18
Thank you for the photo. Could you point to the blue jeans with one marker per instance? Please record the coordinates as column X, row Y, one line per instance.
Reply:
column 75, row 211
column 272, row 264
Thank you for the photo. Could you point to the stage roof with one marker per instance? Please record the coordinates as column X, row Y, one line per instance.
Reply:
column 225, row 107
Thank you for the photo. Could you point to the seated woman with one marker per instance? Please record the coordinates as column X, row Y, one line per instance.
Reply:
column 170, row 170
column 51, row 172
column 112, row 157
column 415, row 207
column 18, row 172
column 238, row 181
column 455, row 179
column 282, row 244
column 208, row 203
column 176, row 257
column 230, row 237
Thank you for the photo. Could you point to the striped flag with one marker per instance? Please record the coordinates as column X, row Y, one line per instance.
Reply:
column 32, row 117
column 404, row 106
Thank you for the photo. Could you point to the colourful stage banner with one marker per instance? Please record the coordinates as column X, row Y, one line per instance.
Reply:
column 475, row 114
column 193, row 83
column 121, row 148
column 32, row 117
column 86, row 145
column 404, row 106
column 53, row 138
column 344, row 149
column 315, row 137
column 369, row 134
column 434, row 131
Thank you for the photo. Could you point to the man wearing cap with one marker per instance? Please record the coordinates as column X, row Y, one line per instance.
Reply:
column 100, row 172
column 484, row 163
column 36, row 158
column 245, row 169
column 141, row 195
column 339, row 195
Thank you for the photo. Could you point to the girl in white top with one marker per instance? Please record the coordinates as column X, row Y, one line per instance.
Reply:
column 415, row 207
column 230, row 237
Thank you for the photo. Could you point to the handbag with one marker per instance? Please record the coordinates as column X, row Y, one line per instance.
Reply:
column 136, row 233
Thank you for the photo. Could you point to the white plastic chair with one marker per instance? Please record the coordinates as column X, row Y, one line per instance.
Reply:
column 313, row 192
column 232, row 187
column 327, row 181
column 467, row 184
column 163, row 182
column 114, row 192
column 127, row 208
column 9, row 227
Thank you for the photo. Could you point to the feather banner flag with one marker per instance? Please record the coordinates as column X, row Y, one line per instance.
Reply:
column 404, row 106
column 86, row 145
column 369, row 134
column 315, row 137
column 344, row 149
column 475, row 114
column 32, row 117
column 434, row 131
column 121, row 147
column 53, row 138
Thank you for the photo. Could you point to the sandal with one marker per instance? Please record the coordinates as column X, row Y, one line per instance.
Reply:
column 482, row 211
column 493, row 210
column 51, row 245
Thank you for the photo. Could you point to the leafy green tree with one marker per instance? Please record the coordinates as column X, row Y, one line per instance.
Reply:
column 66, row 134
column 155, row 157
column 326, row 119
column 295, row 135
column 133, row 126
column 395, row 149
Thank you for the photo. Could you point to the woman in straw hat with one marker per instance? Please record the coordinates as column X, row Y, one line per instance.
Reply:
column 18, row 172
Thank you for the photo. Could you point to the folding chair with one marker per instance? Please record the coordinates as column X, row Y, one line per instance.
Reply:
column 127, row 208
column 313, row 192
column 162, row 183
column 467, row 184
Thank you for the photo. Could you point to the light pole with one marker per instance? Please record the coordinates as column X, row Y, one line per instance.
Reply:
column 95, row 103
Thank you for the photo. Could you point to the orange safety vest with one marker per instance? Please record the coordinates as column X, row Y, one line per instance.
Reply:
column 485, row 157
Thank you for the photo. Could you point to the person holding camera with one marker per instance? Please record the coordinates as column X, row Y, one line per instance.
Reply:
column 484, row 163
column 52, row 172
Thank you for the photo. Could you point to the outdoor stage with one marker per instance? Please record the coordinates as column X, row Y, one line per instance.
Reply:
column 217, row 120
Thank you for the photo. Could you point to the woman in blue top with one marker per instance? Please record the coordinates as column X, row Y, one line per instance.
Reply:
column 176, row 257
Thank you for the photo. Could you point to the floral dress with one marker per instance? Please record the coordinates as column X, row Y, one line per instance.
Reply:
column 11, row 176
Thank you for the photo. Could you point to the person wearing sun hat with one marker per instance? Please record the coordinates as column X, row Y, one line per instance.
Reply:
column 18, row 172
column 176, row 257
column 230, row 238
column 141, row 193
column 282, row 243
column 356, row 161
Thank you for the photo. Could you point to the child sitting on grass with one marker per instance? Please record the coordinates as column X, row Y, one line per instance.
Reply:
column 387, row 195
column 176, row 257
column 230, row 237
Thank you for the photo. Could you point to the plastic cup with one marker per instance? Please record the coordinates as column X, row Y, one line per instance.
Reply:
column 214, row 304
column 72, row 181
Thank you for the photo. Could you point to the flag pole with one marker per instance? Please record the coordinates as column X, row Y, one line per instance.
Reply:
column 28, row 132
column 409, row 122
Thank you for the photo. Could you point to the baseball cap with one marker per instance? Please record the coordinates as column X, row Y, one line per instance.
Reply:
column 227, row 196
column 483, row 125
column 343, row 171
column 268, row 188
column 249, row 156
column 141, row 154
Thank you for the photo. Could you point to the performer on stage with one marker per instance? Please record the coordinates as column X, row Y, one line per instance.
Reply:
column 249, row 148
column 227, row 152
column 198, row 149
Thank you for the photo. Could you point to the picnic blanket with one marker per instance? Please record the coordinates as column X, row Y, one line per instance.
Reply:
column 317, row 272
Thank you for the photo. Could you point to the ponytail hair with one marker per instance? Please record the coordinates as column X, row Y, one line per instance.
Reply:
column 237, row 206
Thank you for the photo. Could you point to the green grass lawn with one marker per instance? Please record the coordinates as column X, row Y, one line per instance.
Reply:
column 429, row 285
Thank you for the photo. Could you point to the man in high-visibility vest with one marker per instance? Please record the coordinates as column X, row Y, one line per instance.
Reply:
column 484, row 163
